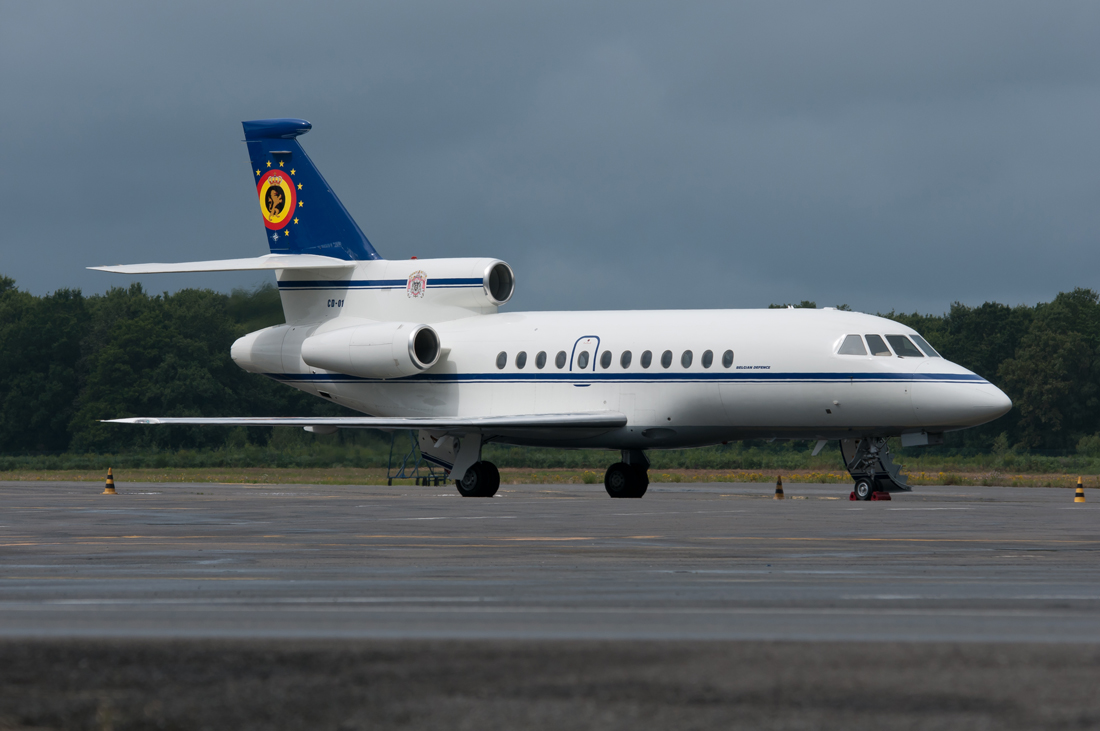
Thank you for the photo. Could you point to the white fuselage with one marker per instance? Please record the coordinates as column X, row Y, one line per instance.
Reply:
column 786, row 379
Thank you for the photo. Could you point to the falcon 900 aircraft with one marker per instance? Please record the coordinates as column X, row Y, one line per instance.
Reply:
column 419, row 344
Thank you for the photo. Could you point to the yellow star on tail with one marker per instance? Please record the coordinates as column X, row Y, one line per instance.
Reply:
column 257, row 172
column 295, row 220
column 300, row 204
column 299, row 186
column 269, row 163
column 280, row 163
column 292, row 171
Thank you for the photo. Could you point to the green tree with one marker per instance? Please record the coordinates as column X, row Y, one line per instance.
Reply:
column 1054, row 376
column 39, row 351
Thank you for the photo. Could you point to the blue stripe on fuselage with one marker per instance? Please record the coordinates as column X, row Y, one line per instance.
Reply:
column 589, row 376
column 440, row 283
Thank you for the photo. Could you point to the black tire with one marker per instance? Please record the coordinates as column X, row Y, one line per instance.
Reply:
column 619, row 480
column 625, row 481
column 492, row 479
column 864, row 489
column 471, row 482
column 641, row 481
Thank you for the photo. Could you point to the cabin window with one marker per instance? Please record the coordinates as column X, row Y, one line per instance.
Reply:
column 605, row 359
column 708, row 358
column 540, row 360
column 559, row 359
column 624, row 359
column 666, row 359
column 582, row 360
column 852, row 345
column 903, row 347
column 877, row 346
column 727, row 359
column 502, row 359
column 685, row 359
column 647, row 359
column 923, row 345
column 521, row 359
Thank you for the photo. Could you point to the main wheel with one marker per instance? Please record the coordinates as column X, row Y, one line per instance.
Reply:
column 623, row 480
column 617, row 480
column 481, row 480
column 641, row 480
column 864, row 489
column 492, row 479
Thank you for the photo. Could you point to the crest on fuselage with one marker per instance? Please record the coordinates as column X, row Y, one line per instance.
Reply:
column 418, row 282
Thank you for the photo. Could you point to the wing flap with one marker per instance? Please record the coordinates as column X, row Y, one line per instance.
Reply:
column 267, row 262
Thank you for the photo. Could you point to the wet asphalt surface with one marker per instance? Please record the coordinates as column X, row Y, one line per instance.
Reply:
column 698, row 606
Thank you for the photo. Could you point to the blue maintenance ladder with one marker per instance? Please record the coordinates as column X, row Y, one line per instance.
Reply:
column 412, row 465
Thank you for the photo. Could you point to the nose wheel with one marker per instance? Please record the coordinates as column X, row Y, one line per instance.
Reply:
column 869, row 463
column 864, row 490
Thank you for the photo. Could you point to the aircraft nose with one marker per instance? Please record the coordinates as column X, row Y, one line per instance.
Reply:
column 959, row 404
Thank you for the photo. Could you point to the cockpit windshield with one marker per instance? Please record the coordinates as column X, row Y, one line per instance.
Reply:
column 852, row 345
column 903, row 347
column 923, row 345
column 877, row 346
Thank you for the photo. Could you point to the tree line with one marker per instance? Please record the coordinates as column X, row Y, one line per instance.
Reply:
column 68, row 360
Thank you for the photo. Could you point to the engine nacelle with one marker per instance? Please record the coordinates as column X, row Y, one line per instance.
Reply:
column 378, row 350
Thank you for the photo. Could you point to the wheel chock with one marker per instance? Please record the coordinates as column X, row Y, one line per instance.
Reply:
column 1080, row 496
column 779, row 488
column 880, row 496
column 109, row 487
column 853, row 496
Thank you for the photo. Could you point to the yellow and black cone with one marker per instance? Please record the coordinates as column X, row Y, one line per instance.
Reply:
column 1080, row 496
column 779, row 488
column 109, row 488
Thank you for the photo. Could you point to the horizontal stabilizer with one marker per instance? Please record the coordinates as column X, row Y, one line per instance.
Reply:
column 589, row 420
column 267, row 262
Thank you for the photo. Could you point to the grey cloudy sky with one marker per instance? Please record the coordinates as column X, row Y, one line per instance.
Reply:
column 617, row 154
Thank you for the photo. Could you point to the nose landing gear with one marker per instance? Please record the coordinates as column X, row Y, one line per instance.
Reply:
column 869, row 463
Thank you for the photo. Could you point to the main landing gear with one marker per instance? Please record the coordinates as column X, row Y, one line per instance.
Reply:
column 481, row 480
column 629, row 478
column 868, row 462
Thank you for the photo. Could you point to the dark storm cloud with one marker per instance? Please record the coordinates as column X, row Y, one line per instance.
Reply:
column 626, row 155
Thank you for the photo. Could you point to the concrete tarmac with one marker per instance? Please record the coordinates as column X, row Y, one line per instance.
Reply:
column 697, row 607
column 538, row 562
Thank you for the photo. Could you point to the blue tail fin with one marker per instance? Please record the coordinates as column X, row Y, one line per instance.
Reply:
column 301, row 214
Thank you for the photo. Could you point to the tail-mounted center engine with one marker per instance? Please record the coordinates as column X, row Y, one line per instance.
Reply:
column 380, row 350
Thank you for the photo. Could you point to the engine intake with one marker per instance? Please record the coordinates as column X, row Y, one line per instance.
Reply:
column 381, row 350
column 499, row 282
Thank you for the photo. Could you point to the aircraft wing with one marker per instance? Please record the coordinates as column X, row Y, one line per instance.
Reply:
column 595, row 421
column 267, row 262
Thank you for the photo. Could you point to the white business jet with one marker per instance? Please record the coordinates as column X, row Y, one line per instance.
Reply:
column 419, row 344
